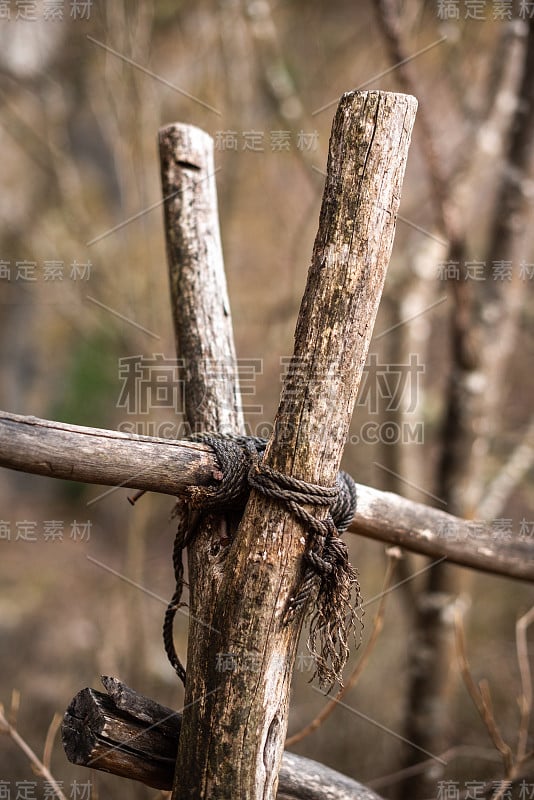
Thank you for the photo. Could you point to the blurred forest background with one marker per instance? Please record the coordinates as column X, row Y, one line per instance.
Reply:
column 444, row 415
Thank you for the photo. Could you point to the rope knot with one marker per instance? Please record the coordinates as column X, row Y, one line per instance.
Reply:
column 327, row 576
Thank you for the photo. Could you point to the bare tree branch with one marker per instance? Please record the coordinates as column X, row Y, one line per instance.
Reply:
column 525, row 700
column 481, row 697
column 37, row 764
column 509, row 477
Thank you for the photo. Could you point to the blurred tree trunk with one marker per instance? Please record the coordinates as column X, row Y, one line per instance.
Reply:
column 483, row 332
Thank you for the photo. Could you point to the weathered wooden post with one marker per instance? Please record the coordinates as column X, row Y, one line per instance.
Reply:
column 234, row 722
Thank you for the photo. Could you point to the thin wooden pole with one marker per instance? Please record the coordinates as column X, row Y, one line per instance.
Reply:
column 204, row 340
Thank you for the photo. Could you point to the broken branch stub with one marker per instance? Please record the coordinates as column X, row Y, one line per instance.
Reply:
column 127, row 734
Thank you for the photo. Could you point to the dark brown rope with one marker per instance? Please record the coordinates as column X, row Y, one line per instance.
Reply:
column 327, row 573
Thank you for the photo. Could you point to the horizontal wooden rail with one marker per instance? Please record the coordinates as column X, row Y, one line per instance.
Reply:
column 112, row 458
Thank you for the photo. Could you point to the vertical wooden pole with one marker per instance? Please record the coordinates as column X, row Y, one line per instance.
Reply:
column 204, row 339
